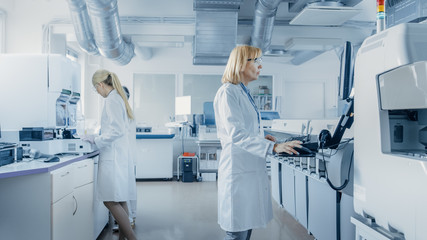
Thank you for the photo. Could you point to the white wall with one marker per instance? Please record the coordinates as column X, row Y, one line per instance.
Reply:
column 25, row 20
column 24, row 34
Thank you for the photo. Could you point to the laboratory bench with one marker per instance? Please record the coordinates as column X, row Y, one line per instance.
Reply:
column 51, row 200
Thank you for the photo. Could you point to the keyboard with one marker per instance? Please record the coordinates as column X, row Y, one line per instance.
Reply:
column 308, row 149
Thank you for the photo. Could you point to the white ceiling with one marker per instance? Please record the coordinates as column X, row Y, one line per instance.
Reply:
column 170, row 23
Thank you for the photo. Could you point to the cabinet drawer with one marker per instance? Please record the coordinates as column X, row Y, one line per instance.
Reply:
column 62, row 217
column 62, row 182
column 83, row 172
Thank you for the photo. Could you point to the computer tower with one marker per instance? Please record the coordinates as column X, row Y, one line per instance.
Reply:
column 187, row 170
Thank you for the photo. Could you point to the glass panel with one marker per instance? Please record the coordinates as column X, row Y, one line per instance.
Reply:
column 201, row 88
column 154, row 102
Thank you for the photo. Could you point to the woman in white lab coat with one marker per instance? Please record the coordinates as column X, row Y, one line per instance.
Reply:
column 132, row 141
column 116, row 178
column 244, row 199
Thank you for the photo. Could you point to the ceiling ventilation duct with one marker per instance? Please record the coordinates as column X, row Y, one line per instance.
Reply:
column 216, row 31
column 104, row 16
column 98, row 21
column 82, row 27
column 265, row 14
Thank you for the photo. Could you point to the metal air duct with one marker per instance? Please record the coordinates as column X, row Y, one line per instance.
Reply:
column 104, row 16
column 82, row 26
column 265, row 14
column 216, row 31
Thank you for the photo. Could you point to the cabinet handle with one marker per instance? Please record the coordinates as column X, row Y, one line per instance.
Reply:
column 83, row 166
column 65, row 174
column 75, row 201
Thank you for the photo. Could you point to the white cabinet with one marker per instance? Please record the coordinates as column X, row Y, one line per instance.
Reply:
column 83, row 212
column 62, row 217
column 100, row 212
column 72, row 201
column 51, row 204
column 62, row 202
column 83, row 194
column 276, row 179
column 154, row 158
column 288, row 188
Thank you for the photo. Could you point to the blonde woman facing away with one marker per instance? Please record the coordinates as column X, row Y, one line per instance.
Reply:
column 244, row 198
column 116, row 177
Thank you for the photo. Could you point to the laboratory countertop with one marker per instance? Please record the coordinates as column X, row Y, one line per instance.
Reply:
column 154, row 136
column 208, row 141
column 35, row 166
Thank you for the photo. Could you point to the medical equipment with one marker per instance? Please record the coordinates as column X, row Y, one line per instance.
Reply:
column 58, row 146
column 7, row 153
column 313, row 186
column 36, row 134
column 390, row 168
column 42, row 90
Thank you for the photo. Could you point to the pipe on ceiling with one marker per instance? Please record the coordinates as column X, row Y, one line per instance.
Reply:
column 97, row 27
column 262, row 28
column 82, row 26
column 104, row 16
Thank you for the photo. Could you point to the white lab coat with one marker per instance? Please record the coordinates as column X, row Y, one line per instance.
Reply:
column 115, row 166
column 244, row 198
column 133, row 154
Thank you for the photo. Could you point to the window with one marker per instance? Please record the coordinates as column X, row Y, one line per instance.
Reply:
column 201, row 88
column 154, row 99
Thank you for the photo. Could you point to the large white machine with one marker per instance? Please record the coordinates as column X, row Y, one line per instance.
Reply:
column 41, row 91
column 390, row 167
column 38, row 90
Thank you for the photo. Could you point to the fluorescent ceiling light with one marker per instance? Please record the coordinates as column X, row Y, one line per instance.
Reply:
column 161, row 44
column 159, row 41
column 324, row 15
column 312, row 44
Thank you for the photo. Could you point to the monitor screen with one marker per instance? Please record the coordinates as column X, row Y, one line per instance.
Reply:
column 346, row 71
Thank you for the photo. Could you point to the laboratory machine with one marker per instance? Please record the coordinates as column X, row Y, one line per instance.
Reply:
column 42, row 91
column 316, row 188
column 390, row 167
column 44, row 95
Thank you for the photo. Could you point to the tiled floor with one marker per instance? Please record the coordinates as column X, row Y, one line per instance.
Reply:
column 171, row 210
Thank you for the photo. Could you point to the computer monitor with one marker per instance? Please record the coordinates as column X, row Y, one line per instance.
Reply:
column 346, row 71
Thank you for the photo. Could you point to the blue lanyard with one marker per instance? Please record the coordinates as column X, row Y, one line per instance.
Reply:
column 251, row 100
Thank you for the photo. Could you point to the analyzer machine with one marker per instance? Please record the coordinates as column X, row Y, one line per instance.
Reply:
column 390, row 134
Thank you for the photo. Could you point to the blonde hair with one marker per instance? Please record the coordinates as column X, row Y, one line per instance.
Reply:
column 112, row 80
column 237, row 62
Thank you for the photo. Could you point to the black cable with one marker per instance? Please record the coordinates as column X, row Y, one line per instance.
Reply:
column 341, row 143
column 348, row 175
